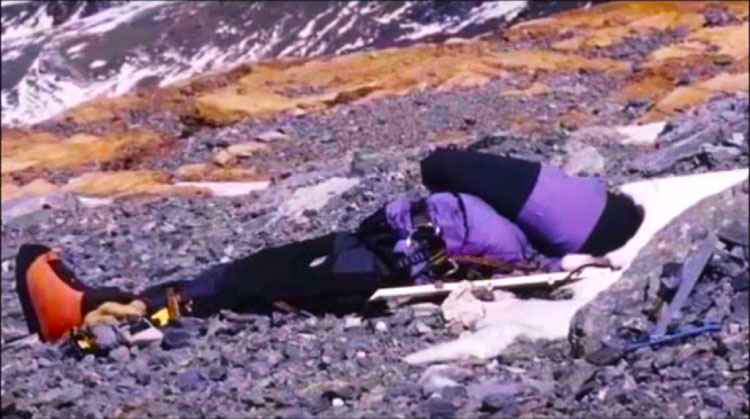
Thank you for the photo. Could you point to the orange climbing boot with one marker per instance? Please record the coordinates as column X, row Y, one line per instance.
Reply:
column 53, row 300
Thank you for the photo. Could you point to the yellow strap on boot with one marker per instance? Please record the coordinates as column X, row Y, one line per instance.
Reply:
column 169, row 313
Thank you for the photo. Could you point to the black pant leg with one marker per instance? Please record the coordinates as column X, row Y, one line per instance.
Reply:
column 334, row 264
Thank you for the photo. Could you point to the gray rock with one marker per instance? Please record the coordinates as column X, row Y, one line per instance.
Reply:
column 142, row 376
column 217, row 373
column 272, row 136
column 669, row 280
column 437, row 377
column 740, row 306
column 741, row 281
column 421, row 328
column 502, row 404
column 664, row 358
column 403, row 390
column 175, row 338
column 367, row 161
column 253, row 397
column 637, row 287
column 120, row 354
column 483, row 389
column 736, row 232
column 381, row 326
column 29, row 206
column 664, row 159
column 586, row 161
column 352, row 321
column 189, row 380
column 454, row 393
column 258, row 369
column 437, row 408
column 195, row 326
column 425, row 309
column 59, row 396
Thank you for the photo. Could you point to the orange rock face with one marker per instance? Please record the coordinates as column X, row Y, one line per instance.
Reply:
column 31, row 150
column 266, row 89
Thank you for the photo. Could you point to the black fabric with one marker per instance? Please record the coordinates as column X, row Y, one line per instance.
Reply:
column 619, row 222
column 26, row 255
column 504, row 183
column 376, row 233
column 331, row 265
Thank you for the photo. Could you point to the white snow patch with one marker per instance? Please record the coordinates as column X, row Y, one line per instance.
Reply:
column 97, row 64
column 90, row 202
column 314, row 197
column 641, row 134
column 228, row 188
column 486, row 11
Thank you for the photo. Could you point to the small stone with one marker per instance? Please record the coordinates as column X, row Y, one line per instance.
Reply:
column 403, row 390
column 224, row 158
column 421, row 328
column 7, row 266
column 425, row 309
column 453, row 393
column 462, row 307
column 437, row 377
column 105, row 336
column 175, row 338
column 737, row 140
column 437, row 408
column 381, row 326
column 735, row 232
column 120, row 354
column 715, row 16
column 253, row 397
column 145, row 338
column 740, row 308
column 483, row 389
column 374, row 396
column 258, row 369
column 503, row 404
column 247, row 149
column 189, row 380
column 217, row 373
column 352, row 321
column 336, row 402
column 723, row 59
column 713, row 400
column 585, row 161
column 663, row 358
column 271, row 136
column 669, row 280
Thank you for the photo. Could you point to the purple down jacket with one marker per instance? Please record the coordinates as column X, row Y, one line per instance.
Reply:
column 483, row 232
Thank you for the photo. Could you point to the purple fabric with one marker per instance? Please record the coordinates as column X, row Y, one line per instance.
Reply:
column 489, row 234
column 561, row 211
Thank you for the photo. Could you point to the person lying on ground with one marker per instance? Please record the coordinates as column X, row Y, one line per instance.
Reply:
column 405, row 242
